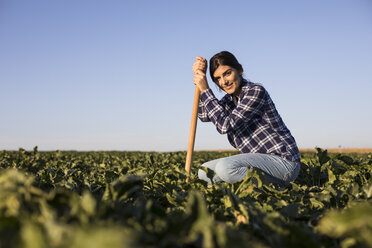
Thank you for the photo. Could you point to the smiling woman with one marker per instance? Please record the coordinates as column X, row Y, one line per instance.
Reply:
column 252, row 124
column 228, row 79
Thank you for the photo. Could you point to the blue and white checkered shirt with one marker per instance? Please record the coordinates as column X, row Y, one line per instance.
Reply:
column 252, row 123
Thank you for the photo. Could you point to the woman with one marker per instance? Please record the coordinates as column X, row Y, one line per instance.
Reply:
column 252, row 124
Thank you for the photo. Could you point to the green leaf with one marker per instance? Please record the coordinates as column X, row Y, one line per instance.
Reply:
column 354, row 222
column 316, row 204
column 331, row 177
column 322, row 156
column 32, row 236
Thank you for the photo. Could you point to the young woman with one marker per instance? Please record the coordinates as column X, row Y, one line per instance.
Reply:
column 252, row 124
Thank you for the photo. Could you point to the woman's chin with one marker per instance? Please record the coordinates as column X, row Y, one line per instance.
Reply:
column 229, row 91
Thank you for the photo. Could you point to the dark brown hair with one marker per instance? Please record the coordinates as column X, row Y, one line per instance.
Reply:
column 223, row 58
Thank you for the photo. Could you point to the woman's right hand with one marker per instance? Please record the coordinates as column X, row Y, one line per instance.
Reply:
column 199, row 68
column 200, row 64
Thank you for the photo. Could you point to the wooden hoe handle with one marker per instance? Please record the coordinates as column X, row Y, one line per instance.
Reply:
column 194, row 120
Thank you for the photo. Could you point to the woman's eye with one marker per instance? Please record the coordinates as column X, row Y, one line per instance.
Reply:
column 228, row 72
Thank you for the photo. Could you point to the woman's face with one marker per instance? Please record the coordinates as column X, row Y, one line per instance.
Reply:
column 228, row 79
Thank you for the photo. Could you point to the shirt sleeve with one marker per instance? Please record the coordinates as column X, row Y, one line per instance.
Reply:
column 202, row 113
column 249, row 107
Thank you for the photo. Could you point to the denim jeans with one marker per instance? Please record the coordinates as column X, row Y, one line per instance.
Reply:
column 234, row 168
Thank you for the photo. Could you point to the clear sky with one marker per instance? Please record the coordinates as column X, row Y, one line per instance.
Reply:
column 117, row 75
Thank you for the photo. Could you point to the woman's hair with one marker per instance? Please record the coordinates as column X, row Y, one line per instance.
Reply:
column 223, row 58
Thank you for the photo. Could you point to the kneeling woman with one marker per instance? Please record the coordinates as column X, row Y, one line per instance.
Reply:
column 252, row 124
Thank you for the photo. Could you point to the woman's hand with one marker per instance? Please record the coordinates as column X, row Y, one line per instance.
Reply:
column 200, row 64
column 199, row 68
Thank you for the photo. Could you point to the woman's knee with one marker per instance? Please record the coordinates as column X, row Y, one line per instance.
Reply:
column 230, row 171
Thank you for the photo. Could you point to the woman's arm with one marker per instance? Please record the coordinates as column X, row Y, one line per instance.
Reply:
column 202, row 113
column 249, row 108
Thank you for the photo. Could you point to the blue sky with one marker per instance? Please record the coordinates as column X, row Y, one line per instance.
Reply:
column 117, row 75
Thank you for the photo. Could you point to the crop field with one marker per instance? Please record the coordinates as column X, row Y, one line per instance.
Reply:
column 141, row 199
column 343, row 150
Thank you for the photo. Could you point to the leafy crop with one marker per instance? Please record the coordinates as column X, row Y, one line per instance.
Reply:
column 137, row 199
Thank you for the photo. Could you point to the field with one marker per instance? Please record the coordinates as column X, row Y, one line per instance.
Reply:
column 137, row 199
column 343, row 150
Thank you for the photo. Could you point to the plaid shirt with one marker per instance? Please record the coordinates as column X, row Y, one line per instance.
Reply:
column 252, row 123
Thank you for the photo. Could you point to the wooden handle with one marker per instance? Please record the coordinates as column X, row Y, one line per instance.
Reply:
column 194, row 120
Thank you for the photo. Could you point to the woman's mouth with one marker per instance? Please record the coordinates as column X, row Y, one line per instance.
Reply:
column 228, row 87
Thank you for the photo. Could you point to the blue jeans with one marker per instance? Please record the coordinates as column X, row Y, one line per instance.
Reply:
column 234, row 168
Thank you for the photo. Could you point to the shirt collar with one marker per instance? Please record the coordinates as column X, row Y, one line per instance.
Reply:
column 243, row 86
